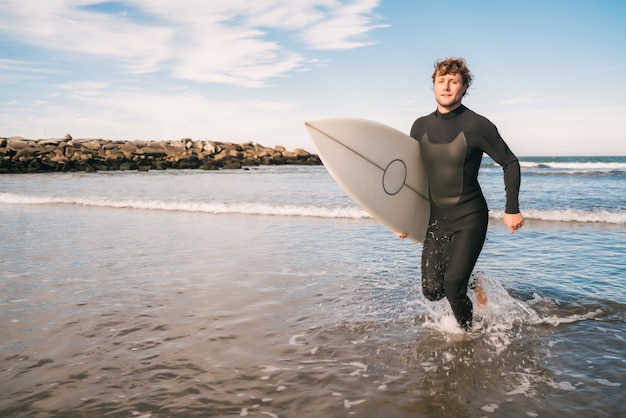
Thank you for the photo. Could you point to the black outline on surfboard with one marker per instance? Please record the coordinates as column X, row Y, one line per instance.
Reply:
column 403, row 181
column 368, row 160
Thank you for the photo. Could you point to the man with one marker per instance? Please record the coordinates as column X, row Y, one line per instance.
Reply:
column 452, row 140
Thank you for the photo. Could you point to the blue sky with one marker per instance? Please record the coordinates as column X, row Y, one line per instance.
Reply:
column 550, row 74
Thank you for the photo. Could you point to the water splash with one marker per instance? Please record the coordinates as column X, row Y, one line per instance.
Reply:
column 497, row 323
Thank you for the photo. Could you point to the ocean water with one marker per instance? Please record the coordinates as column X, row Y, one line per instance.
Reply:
column 268, row 292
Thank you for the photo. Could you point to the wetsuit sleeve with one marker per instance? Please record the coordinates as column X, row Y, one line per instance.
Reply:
column 512, row 182
column 499, row 151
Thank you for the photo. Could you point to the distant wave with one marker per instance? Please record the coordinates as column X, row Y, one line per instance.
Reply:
column 570, row 167
column 572, row 215
column 580, row 165
column 214, row 208
column 256, row 208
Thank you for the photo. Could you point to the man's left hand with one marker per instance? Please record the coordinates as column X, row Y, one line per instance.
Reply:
column 513, row 221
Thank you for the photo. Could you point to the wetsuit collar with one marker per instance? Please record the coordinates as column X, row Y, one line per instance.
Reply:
column 451, row 115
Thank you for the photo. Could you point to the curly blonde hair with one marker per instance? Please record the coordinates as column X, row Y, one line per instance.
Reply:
column 453, row 66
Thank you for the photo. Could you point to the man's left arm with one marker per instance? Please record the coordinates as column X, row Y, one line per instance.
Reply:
column 499, row 151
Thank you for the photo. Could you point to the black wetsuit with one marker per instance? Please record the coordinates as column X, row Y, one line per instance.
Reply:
column 452, row 146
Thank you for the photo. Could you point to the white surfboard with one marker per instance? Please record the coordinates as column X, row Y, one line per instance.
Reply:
column 379, row 167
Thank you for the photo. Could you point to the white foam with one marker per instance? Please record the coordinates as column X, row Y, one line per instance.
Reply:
column 358, row 365
column 576, row 166
column 490, row 407
column 521, row 389
column 555, row 320
column 608, row 383
column 294, row 339
column 571, row 215
column 271, row 369
column 257, row 208
column 349, row 404
column 567, row 386
column 449, row 324
column 251, row 208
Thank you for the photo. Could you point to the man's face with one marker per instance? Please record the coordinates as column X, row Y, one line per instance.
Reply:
column 449, row 90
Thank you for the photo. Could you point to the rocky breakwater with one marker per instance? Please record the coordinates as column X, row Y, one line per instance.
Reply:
column 19, row 155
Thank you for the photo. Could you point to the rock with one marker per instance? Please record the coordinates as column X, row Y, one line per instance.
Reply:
column 129, row 146
column 92, row 145
column 128, row 165
column 233, row 165
column 209, row 165
column 17, row 143
column 192, row 162
column 301, row 154
column 155, row 152
column 19, row 155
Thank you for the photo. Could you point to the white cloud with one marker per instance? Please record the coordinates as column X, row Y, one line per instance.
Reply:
column 23, row 66
column 60, row 26
column 531, row 98
column 84, row 85
column 528, row 98
column 343, row 27
column 15, row 71
column 227, row 41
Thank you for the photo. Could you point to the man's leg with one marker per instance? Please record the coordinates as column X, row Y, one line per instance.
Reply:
column 466, row 245
column 435, row 254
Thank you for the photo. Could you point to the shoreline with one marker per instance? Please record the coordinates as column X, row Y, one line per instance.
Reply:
column 19, row 155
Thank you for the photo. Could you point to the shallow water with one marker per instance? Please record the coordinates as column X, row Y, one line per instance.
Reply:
column 109, row 311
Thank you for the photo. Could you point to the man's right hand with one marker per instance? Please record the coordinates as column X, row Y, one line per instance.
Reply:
column 399, row 234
